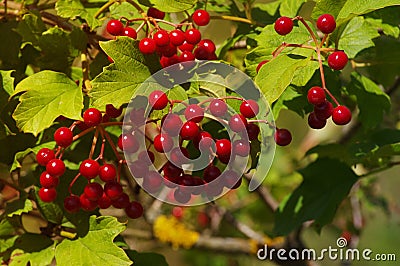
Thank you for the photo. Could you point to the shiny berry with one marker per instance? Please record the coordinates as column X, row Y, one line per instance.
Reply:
column 341, row 115
column 48, row 181
column 323, row 110
column 63, row 137
column 130, row 32
column 177, row 37
column 186, row 47
column 171, row 170
column 224, row 147
column 337, row 60
column 158, row 100
column 128, row 143
column 92, row 117
column 211, row 173
column 316, row 95
column 314, row 122
column 107, row 172
column 252, row 131
column 147, row 46
column 249, row 108
column 161, row 37
column 193, row 36
column 237, row 123
column 189, row 130
column 104, row 201
column 155, row 13
column 72, row 204
column 171, row 124
column 186, row 56
column 115, row 27
column 93, row 191
column 194, row 113
column 89, row 168
column 204, row 141
column 218, row 107
column 44, row 155
column 55, row 167
column 283, row 137
column 241, row 148
column 326, row 23
column 201, row 53
column 134, row 210
column 163, row 143
column 87, row 204
column 121, row 201
column 113, row 189
column 201, row 17
column 283, row 25
column 207, row 44
column 47, row 194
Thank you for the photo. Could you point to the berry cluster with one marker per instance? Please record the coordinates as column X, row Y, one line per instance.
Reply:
column 337, row 60
column 173, row 46
column 94, row 194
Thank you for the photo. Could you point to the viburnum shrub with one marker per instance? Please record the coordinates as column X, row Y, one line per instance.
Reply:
column 114, row 112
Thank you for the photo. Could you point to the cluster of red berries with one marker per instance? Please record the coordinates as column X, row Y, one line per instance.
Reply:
column 94, row 194
column 172, row 46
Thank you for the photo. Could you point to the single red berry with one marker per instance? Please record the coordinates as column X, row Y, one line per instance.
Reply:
column 252, row 131
column 346, row 235
column 89, row 168
column 283, row 137
column 47, row 194
column 44, row 155
column 152, row 182
column 63, row 137
column 115, row 27
column 249, row 108
column 121, row 202
column 161, row 37
column 55, row 167
column 113, row 189
column 171, row 170
column 314, row 122
column 201, row 53
column 147, row 46
column 177, row 212
column 130, row 32
column 224, row 147
column 261, row 64
column 104, row 202
column 238, row 123
column 93, row 191
column 113, row 112
column 194, row 113
column 163, row 143
column 167, row 50
column 218, row 107
column 326, row 23
column 48, row 181
column 201, row 17
column 186, row 56
column 155, row 13
column 128, row 143
column 186, row 47
column 158, row 100
column 341, row 115
column 134, row 210
column 204, row 141
column 138, row 169
column 208, row 44
column 337, row 60
column 241, row 148
column 107, row 172
column 92, row 117
column 283, row 25
column 189, row 130
column 211, row 173
column 176, row 37
column 182, row 196
column 171, row 123
column 137, row 117
column 323, row 110
column 193, row 36
column 179, row 156
column 316, row 95
column 72, row 204
column 87, row 204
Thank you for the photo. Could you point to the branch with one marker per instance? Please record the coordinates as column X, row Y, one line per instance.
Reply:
column 264, row 194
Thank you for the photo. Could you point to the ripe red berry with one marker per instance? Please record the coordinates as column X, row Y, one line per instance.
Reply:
column 152, row 182
column 113, row 189
column 44, row 155
column 326, row 23
column 104, row 202
column 134, row 210
column 176, row 37
column 63, row 137
column 167, row 51
column 201, row 53
column 203, row 141
column 341, row 115
column 128, row 143
column 316, row 95
column 179, row 156
column 161, row 37
column 55, row 167
column 87, row 204
column 158, row 100
column 283, row 137
column 163, row 143
column 283, row 25
column 113, row 112
column 107, row 172
column 72, row 204
column 186, row 56
column 89, row 168
column 92, row 117
column 201, row 17
column 121, row 202
column 171, row 170
column 261, row 64
column 115, row 27
column 218, row 107
column 47, row 194
column 211, row 173
column 323, row 110
column 208, row 44
column 337, row 60
column 186, row 47
column 93, row 191
column 238, row 123
column 224, row 147
column 314, row 122
column 171, row 123
column 130, row 32
column 189, row 130
column 155, row 13
column 193, row 36
column 177, row 212
column 241, row 148
column 249, row 108
column 252, row 131
column 194, row 113
column 182, row 196
column 48, row 181
column 147, row 46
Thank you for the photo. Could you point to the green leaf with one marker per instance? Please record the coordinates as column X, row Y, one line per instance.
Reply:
column 326, row 183
column 123, row 9
column 73, row 8
column 270, row 7
column 19, row 206
column 304, row 74
column 290, row 100
column 368, row 92
column 170, row 5
column 118, row 82
column 51, row 211
column 146, row 258
column 290, row 8
column 7, row 82
column 19, row 156
column 275, row 76
column 46, row 95
column 354, row 8
column 7, row 243
column 43, row 257
column 31, row 28
column 6, row 228
column 332, row 7
column 10, row 46
column 387, row 29
column 357, row 36
column 96, row 248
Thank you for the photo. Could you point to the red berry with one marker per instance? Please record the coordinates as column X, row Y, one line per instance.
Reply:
column 171, row 170
column 201, row 53
column 147, row 46
column 203, row 141
column 134, row 210
column 161, row 37
column 189, row 130
column 241, row 148
column 211, row 173
column 107, row 172
column 186, row 56
column 346, row 235
column 326, row 23
column 92, row 117
column 130, row 32
column 316, row 95
column 208, row 44
column 238, row 123
column 87, row 204
column 323, row 110
column 201, row 17
column 44, row 155
column 224, row 147
column 261, row 64
column 55, row 167
column 337, row 60
column 155, row 13
column 115, row 27
column 283, row 25
column 163, row 143
column 182, row 196
column 249, row 108
column 47, row 194
column 314, row 122
column 152, row 182
column 194, row 113
column 193, row 36
column 171, row 124
column 252, row 131
column 158, row 100
column 179, row 156
column 104, row 202
column 186, row 47
column 218, row 107
column 113, row 189
column 72, row 204
column 177, row 212
column 128, row 143
column 283, row 137
column 121, row 202
column 177, row 37
column 113, row 112
column 341, row 115
column 89, row 168
column 48, row 181
column 93, row 191
column 63, row 137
